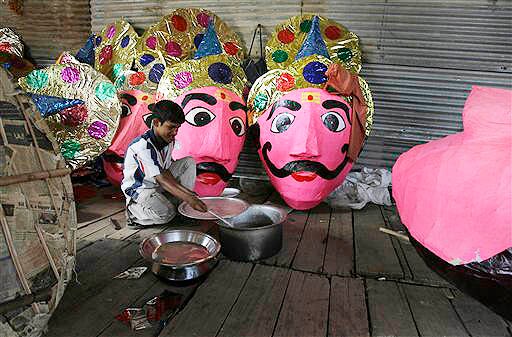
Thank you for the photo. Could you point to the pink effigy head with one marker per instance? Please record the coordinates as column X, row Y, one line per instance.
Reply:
column 213, row 134
column 304, row 139
column 131, row 125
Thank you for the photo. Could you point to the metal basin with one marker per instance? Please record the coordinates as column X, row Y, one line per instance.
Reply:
column 149, row 250
column 255, row 234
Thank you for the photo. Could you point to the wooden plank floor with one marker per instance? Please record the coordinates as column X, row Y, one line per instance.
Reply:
column 337, row 275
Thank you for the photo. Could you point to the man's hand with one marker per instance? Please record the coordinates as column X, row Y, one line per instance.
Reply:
column 197, row 204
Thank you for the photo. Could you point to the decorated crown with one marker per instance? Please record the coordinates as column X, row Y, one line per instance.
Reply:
column 212, row 65
column 298, row 55
column 175, row 38
column 79, row 105
column 11, row 53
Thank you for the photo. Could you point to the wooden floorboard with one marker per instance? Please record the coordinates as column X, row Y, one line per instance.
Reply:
column 375, row 254
column 389, row 310
column 433, row 312
column 212, row 302
column 305, row 307
column 311, row 251
column 100, row 308
column 339, row 256
column 269, row 298
column 256, row 311
column 293, row 228
column 479, row 320
column 96, row 265
column 119, row 329
column 347, row 308
column 420, row 272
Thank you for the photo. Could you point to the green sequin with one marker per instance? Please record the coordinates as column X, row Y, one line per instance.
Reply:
column 120, row 81
column 345, row 54
column 37, row 79
column 105, row 90
column 260, row 102
column 305, row 26
column 69, row 149
column 279, row 56
column 117, row 69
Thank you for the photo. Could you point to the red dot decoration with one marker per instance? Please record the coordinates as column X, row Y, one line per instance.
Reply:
column 332, row 32
column 138, row 78
column 151, row 42
column 231, row 48
column 173, row 49
column 105, row 54
column 203, row 19
column 222, row 95
column 5, row 47
column 310, row 97
column 145, row 98
column 285, row 82
column 179, row 23
column 286, row 36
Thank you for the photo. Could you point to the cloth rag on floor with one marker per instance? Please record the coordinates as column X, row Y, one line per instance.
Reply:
column 359, row 188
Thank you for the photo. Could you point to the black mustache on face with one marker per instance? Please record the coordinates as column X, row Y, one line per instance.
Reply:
column 304, row 165
column 213, row 167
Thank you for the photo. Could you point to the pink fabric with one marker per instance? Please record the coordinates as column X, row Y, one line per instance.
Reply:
column 455, row 194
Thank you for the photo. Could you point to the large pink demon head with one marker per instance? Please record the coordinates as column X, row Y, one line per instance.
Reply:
column 209, row 89
column 304, row 139
column 312, row 114
column 213, row 134
column 134, row 104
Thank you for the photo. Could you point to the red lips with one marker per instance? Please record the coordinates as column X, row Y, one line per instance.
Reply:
column 208, row 178
column 304, row 176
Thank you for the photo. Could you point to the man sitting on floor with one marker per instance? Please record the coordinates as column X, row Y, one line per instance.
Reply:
column 153, row 183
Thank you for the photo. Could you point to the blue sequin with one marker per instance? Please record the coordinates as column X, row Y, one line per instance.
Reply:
column 210, row 44
column 156, row 72
column 197, row 39
column 146, row 59
column 50, row 105
column 98, row 40
column 125, row 41
column 220, row 72
column 86, row 53
column 314, row 43
column 314, row 72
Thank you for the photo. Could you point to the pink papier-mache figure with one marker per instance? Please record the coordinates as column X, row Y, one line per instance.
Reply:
column 312, row 111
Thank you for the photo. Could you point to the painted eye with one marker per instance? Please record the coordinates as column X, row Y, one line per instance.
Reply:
column 125, row 110
column 238, row 126
column 282, row 122
column 199, row 116
column 333, row 121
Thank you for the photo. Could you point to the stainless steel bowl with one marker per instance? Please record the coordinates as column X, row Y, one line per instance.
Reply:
column 255, row 234
column 186, row 271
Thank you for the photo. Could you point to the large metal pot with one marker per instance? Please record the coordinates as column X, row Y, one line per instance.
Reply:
column 255, row 234
column 180, row 272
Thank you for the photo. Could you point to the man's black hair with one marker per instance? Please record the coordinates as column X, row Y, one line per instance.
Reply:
column 166, row 110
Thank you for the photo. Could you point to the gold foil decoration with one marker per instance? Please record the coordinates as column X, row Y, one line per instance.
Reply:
column 288, row 37
column 175, row 37
column 91, row 133
column 116, row 49
column 193, row 74
column 11, row 54
column 290, row 74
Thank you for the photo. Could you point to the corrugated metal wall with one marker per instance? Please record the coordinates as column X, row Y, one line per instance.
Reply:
column 420, row 57
column 49, row 27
